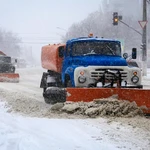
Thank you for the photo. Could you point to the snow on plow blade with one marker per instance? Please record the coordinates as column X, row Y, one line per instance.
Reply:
column 9, row 77
column 140, row 96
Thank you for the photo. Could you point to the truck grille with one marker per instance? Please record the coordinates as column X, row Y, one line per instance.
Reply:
column 99, row 72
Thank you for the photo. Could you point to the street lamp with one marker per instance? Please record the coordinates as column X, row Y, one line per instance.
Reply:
column 61, row 29
column 66, row 36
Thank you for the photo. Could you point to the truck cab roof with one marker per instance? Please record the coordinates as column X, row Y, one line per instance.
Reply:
column 91, row 39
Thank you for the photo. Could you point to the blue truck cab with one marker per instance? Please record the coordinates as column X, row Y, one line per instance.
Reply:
column 97, row 62
column 87, row 62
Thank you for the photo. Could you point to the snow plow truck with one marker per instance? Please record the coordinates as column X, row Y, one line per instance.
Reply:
column 7, row 69
column 87, row 68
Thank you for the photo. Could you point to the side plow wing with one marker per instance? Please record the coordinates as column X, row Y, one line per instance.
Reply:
column 9, row 77
column 140, row 96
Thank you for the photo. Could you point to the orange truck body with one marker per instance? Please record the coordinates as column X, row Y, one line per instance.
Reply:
column 50, row 57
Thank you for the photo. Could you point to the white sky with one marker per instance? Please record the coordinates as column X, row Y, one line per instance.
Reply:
column 37, row 20
column 43, row 16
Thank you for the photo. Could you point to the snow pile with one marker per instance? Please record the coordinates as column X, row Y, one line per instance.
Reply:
column 101, row 107
column 30, row 106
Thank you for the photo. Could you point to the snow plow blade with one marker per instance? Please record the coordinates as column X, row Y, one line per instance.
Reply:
column 9, row 77
column 140, row 96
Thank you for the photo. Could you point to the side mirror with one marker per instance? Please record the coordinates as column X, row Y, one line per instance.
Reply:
column 134, row 53
column 125, row 55
column 61, row 51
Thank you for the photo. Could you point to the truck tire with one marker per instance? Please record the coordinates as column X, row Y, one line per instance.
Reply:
column 54, row 95
column 12, row 69
column 68, row 83
column 49, row 101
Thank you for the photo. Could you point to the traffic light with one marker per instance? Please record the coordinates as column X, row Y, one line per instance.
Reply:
column 115, row 18
column 134, row 53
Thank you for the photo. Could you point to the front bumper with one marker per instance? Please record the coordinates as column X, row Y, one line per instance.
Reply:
column 108, row 77
column 133, row 86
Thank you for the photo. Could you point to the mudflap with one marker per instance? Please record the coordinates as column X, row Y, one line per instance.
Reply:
column 9, row 77
column 43, row 83
column 140, row 96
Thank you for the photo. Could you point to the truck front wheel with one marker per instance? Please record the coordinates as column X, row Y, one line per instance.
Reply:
column 54, row 95
column 49, row 101
column 12, row 69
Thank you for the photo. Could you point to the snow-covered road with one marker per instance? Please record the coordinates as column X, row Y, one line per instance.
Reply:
column 29, row 83
column 26, row 133
column 18, row 133
column 59, row 132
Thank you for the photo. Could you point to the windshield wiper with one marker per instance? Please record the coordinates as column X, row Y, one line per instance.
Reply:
column 91, row 53
column 110, row 50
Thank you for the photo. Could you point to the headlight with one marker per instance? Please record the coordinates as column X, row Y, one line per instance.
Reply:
column 82, row 79
column 135, row 79
column 82, row 73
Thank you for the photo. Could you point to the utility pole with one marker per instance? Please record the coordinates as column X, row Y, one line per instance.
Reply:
column 144, row 39
column 143, row 23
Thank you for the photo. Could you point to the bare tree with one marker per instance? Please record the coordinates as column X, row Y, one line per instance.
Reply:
column 9, row 43
column 100, row 23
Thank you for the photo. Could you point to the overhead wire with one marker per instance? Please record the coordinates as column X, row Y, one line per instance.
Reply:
column 42, row 38
column 35, row 40
column 32, row 42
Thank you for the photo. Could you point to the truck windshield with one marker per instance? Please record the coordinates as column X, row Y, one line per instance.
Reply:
column 96, row 48
column 4, row 59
